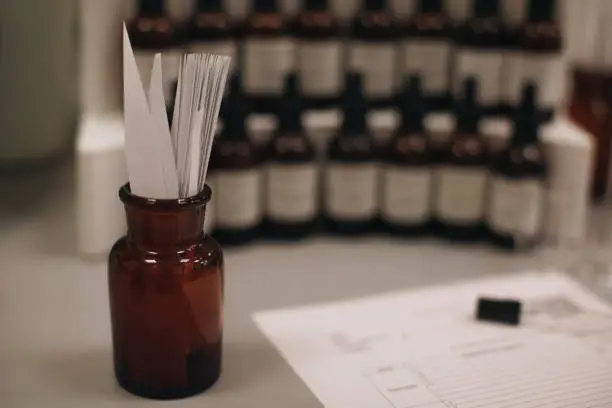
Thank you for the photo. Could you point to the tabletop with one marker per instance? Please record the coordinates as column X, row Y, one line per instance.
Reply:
column 55, row 343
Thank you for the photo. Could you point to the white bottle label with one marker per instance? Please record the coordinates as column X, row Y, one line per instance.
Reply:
column 319, row 65
column 292, row 192
column 222, row 47
column 238, row 199
column 376, row 62
column 209, row 218
column 516, row 206
column 351, row 191
column 512, row 77
column 548, row 72
column 430, row 59
column 266, row 64
column 406, row 194
column 485, row 67
column 461, row 194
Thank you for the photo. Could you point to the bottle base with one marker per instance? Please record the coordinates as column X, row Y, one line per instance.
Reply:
column 288, row 231
column 235, row 237
column 203, row 370
column 512, row 244
column 350, row 228
column 461, row 233
column 406, row 231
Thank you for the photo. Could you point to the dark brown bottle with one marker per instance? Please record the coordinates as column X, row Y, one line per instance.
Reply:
column 373, row 52
column 268, row 55
column 479, row 54
column 461, row 182
column 319, row 49
column 211, row 31
column 238, row 174
column 515, row 215
column 543, row 62
column 427, row 50
column 352, row 171
column 166, row 293
column 407, row 173
column 152, row 31
column 291, row 170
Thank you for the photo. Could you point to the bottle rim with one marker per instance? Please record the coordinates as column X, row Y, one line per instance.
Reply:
column 127, row 197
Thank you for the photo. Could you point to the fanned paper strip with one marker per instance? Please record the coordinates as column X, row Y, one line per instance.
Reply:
column 166, row 163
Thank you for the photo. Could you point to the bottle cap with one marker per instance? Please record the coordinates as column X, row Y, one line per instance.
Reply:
column 527, row 119
column 412, row 105
column 234, row 110
column 486, row 8
column 431, row 6
column 210, row 6
column 467, row 111
column 290, row 112
column 354, row 105
column 151, row 7
column 542, row 10
column 376, row 5
column 265, row 6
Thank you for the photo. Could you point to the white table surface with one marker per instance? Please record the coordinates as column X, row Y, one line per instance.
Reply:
column 55, row 345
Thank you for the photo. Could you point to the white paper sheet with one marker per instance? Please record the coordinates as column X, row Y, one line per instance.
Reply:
column 424, row 349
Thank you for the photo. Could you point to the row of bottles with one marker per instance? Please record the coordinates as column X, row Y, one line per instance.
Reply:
column 410, row 186
column 267, row 46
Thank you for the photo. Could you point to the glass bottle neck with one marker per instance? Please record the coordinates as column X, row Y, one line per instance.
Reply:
column 265, row 6
column 210, row 6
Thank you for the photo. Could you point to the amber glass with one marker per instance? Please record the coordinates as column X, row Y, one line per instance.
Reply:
column 432, row 24
column 166, row 293
column 589, row 109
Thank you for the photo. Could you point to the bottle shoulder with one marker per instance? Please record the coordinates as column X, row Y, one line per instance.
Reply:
column 234, row 154
column 155, row 33
column 378, row 26
column 408, row 150
column 527, row 161
column 467, row 150
column 352, row 148
column 290, row 148
column 211, row 26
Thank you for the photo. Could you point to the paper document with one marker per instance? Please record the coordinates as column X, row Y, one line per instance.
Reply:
column 423, row 349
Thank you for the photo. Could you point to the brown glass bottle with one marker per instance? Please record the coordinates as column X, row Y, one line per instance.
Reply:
column 319, row 49
column 268, row 55
column 543, row 62
column 291, row 170
column 479, row 54
column 515, row 215
column 407, row 173
column 351, row 172
column 427, row 51
column 166, row 293
column 211, row 31
column 461, row 181
column 152, row 31
column 373, row 53
column 237, row 167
